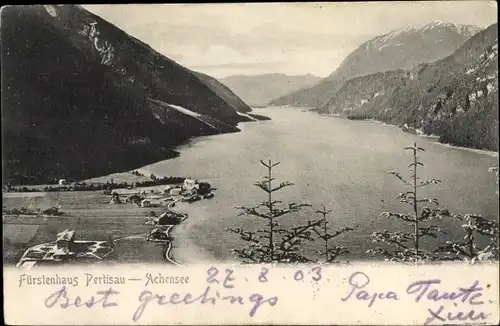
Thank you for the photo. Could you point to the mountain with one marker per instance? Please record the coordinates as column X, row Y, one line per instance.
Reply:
column 224, row 92
column 81, row 98
column 260, row 89
column 455, row 98
column 401, row 49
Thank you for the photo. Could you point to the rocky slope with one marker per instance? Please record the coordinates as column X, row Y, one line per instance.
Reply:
column 401, row 49
column 455, row 98
column 260, row 89
column 80, row 97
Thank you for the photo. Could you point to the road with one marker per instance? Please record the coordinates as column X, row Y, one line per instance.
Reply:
column 168, row 248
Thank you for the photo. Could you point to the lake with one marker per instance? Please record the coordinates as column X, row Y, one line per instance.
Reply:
column 333, row 162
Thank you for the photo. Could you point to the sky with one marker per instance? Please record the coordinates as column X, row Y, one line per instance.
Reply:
column 289, row 38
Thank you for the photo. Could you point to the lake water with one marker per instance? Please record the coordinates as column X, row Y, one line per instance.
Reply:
column 333, row 162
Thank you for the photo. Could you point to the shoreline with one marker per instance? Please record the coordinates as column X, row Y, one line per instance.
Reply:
column 184, row 250
column 435, row 138
column 468, row 149
column 168, row 251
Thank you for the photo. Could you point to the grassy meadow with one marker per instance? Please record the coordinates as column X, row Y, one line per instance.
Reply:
column 90, row 214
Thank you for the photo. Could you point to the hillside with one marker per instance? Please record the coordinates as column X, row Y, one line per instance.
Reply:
column 225, row 93
column 401, row 49
column 260, row 89
column 81, row 98
column 455, row 98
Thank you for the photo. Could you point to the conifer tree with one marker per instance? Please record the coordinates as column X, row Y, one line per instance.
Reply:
column 406, row 246
column 273, row 243
column 329, row 252
column 469, row 249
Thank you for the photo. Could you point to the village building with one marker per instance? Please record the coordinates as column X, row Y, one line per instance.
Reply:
column 190, row 184
column 145, row 203
column 191, row 187
column 62, row 249
column 175, row 191
column 66, row 240
column 61, row 253
column 168, row 218
column 133, row 198
column 192, row 192
column 158, row 234
column 115, row 199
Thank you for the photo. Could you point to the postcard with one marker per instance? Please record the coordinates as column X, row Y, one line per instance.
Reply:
column 250, row 163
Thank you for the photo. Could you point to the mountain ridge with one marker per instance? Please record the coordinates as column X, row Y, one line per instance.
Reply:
column 404, row 48
column 455, row 98
column 77, row 96
column 258, row 90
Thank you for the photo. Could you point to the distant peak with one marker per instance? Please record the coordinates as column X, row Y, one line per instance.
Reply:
column 468, row 30
column 437, row 23
column 460, row 28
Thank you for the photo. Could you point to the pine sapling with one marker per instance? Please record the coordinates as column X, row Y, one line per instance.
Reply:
column 329, row 252
column 407, row 245
column 273, row 243
column 469, row 249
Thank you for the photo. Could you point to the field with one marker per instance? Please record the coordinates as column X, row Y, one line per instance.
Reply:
column 90, row 215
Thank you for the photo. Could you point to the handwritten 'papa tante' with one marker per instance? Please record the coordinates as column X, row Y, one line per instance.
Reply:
column 422, row 291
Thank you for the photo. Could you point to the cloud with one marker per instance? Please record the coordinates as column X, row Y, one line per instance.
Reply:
column 277, row 37
column 269, row 45
column 269, row 36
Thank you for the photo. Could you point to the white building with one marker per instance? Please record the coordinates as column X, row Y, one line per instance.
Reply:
column 191, row 186
column 175, row 191
column 66, row 239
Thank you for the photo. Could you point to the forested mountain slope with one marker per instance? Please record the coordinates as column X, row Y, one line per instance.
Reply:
column 80, row 97
column 455, row 98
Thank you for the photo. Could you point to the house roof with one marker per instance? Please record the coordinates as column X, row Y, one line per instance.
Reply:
column 66, row 235
column 61, row 251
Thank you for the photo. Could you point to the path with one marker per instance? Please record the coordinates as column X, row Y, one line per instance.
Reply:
column 170, row 227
